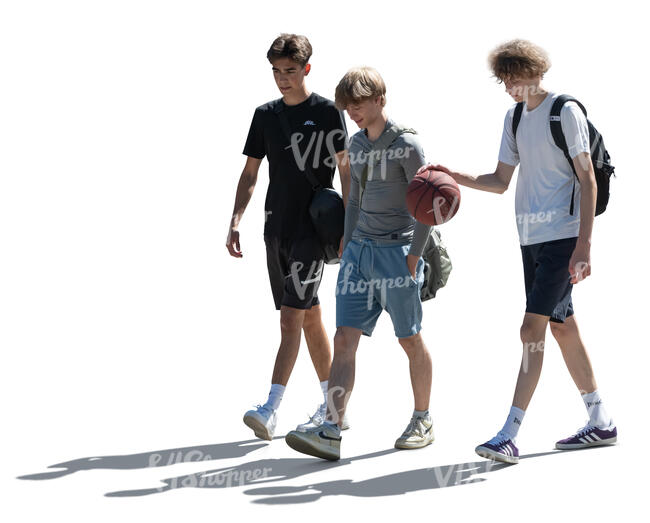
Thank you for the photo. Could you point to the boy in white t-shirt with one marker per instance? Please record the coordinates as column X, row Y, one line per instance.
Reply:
column 555, row 244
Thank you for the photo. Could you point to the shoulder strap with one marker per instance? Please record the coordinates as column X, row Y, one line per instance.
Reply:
column 558, row 134
column 383, row 142
column 516, row 118
column 286, row 129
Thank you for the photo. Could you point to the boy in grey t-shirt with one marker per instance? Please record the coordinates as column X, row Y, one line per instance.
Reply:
column 381, row 264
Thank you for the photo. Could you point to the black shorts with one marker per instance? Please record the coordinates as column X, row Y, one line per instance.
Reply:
column 547, row 277
column 295, row 271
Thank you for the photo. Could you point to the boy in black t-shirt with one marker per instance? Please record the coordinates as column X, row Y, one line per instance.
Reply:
column 294, row 255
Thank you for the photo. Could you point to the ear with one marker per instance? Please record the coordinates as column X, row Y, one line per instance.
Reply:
column 307, row 69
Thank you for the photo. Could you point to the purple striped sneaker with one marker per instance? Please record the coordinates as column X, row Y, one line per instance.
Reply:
column 588, row 436
column 499, row 448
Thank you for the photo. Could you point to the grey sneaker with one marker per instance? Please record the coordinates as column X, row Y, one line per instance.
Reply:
column 262, row 420
column 318, row 418
column 323, row 441
column 418, row 434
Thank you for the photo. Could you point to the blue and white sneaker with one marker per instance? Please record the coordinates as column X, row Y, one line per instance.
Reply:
column 499, row 448
column 318, row 418
column 589, row 436
column 262, row 420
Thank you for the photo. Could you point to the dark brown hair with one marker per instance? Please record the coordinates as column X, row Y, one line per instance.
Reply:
column 295, row 47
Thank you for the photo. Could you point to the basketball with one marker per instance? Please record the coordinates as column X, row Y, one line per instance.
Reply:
column 432, row 197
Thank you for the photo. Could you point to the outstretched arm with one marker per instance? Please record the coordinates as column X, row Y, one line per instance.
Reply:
column 496, row 182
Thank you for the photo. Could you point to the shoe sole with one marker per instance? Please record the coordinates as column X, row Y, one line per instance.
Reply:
column 416, row 445
column 573, row 446
column 258, row 428
column 484, row 452
column 296, row 442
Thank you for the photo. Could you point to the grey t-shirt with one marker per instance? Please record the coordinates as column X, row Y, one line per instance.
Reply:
column 383, row 215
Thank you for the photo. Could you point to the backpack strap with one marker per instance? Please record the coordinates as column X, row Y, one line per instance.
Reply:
column 560, row 139
column 383, row 142
column 286, row 129
column 516, row 118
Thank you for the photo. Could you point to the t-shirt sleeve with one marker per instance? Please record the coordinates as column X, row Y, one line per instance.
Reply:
column 575, row 129
column 255, row 142
column 339, row 130
column 508, row 152
column 413, row 157
column 411, row 162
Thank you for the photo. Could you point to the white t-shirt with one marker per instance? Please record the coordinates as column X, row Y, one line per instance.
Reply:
column 545, row 180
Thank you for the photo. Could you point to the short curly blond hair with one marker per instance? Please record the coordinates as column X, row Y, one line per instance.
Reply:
column 358, row 84
column 518, row 59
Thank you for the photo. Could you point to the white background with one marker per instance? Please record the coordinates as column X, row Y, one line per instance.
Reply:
column 128, row 331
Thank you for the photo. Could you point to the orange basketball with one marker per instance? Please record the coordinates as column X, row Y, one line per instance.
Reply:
column 432, row 197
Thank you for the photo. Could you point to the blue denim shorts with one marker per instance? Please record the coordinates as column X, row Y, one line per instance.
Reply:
column 374, row 276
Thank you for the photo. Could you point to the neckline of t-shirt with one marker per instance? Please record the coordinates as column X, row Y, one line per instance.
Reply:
column 549, row 96
column 286, row 106
column 389, row 123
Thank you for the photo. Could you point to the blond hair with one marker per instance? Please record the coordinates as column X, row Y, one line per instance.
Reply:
column 358, row 84
column 518, row 59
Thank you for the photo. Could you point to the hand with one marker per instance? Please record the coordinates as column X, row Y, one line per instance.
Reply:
column 232, row 243
column 412, row 263
column 341, row 247
column 442, row 168
column 580, row 263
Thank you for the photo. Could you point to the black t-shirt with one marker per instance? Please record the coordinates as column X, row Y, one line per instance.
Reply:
column 323, row 135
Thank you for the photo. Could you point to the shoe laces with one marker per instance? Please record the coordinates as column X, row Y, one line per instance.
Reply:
column 584, row 429
column 415, row 426
column 319, row 416
column 265, row 408
column 499, row 439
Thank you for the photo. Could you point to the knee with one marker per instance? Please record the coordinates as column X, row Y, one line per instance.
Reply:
column 312, row 318
column 345, row 342
column 529, row 334
column 291, row 320
column 412, row 344
column 561, row 331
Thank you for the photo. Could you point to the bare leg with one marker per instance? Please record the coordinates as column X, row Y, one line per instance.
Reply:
column 574, row 353
column 291, row 321
column 341, row 382
column 420, row 369
column 533, row 332
column 317, row 342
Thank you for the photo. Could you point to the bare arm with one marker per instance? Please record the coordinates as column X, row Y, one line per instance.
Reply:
column 245, row 189
column 580, row 264
column 496, row 182
column 343, row 163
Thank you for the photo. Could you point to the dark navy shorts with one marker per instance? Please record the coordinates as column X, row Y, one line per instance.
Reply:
column 547, row 278
column 295, row 271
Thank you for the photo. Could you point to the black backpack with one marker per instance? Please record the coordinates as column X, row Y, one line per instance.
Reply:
column 603, row 169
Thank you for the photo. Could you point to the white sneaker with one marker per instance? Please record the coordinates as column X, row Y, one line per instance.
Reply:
column 418, row 434
column 262, row 420
column 318, row 418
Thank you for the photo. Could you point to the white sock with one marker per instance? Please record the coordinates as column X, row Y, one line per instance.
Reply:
column 323, row 387
column 275, row 396
column 515, row 417
column 598, row 416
